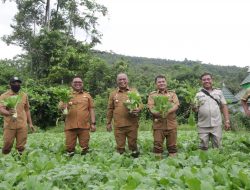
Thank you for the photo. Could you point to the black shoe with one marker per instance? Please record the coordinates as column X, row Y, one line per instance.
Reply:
column 20, row 153
column 84, row 152
column 70, row 154
column 135, row 154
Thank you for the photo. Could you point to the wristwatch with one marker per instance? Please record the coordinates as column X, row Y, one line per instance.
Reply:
column 93, row 123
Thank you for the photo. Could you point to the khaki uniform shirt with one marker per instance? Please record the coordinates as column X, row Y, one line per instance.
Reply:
column 21, row 108
column 79, row 112
column 117, row 109
column 246, row 95
column 170, row 121
column 209, row 113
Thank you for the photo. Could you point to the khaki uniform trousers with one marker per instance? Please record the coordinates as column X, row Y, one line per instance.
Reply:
column 71, row 138
column 207, row 133
column 129, row 132
column 9, row 135
column 159, row 137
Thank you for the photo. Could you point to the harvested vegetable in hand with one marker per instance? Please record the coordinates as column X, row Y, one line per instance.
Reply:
column 190, row 93
column 11, row 103
column 134, row 101
column 64, row 95
column 191, row 118
column 161, row 105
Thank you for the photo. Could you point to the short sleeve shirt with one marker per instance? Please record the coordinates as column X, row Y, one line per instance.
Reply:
column 170, row 122
column 79, row 112
column 22, row 108
column 209, row 113
column 118, row 111
column 246, row 95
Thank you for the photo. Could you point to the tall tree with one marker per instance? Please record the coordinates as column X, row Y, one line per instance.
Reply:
column 46, row 31
column 47, row 14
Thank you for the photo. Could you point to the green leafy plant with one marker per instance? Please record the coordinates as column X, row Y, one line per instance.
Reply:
column 134, row 101
column 64, row 95
column 12, row 102
column 44, row 164
column 191, row 118
column 189, row 95
column 161, row 105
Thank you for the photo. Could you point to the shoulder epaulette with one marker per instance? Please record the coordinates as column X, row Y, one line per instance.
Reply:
column 171, row 90
column 86, row 92
column 132, row 89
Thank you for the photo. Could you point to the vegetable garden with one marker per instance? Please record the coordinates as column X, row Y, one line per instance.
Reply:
column 53, row 56
column 45, row 166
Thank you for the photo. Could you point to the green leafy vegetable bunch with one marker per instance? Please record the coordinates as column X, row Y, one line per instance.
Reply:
column 63, row 94
column 134, row 101
column 190, row 92
column 161, row 105
column 12, row 102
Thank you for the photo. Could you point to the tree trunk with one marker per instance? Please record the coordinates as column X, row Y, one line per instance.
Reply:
column 47, row 14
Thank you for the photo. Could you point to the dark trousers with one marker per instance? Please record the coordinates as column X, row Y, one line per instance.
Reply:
column 71, row 138
column 159, row 137
column 9, row 135
column 129, row 132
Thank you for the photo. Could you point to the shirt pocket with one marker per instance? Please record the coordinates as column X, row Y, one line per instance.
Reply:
column 170, row 98
column 201, row 100
column 119, row 102
column 83, row 102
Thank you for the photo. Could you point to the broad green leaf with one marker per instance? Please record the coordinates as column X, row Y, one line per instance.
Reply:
column 133, row 101
column 193, row 183
column 161, row 105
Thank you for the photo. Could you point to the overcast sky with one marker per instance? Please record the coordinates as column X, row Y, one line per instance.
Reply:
column 211, row 31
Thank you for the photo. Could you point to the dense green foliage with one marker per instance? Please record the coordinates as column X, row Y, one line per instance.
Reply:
column 179, row 70
column 46, row 32
column 99, row 78
column 44, row 165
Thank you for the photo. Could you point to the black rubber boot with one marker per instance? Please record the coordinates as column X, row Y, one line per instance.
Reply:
column 135, row 154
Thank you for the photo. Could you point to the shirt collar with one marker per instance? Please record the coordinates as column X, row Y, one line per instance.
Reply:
column 120, row 90
column 76, row 92
column 162, row 92
column 207, row 90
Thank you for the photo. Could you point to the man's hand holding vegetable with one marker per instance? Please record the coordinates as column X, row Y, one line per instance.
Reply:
column 134, row 103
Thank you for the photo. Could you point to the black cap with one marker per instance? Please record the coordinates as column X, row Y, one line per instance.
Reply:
column 15, row 79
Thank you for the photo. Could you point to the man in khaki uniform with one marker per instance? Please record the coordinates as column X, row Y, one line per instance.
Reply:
column 80, row 118
column 209, row 113
column 164, row 127
column 244, row 100
column 15, row 127
column 125, row 123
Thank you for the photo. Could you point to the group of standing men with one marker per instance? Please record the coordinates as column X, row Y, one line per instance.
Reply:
column 81, row 117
